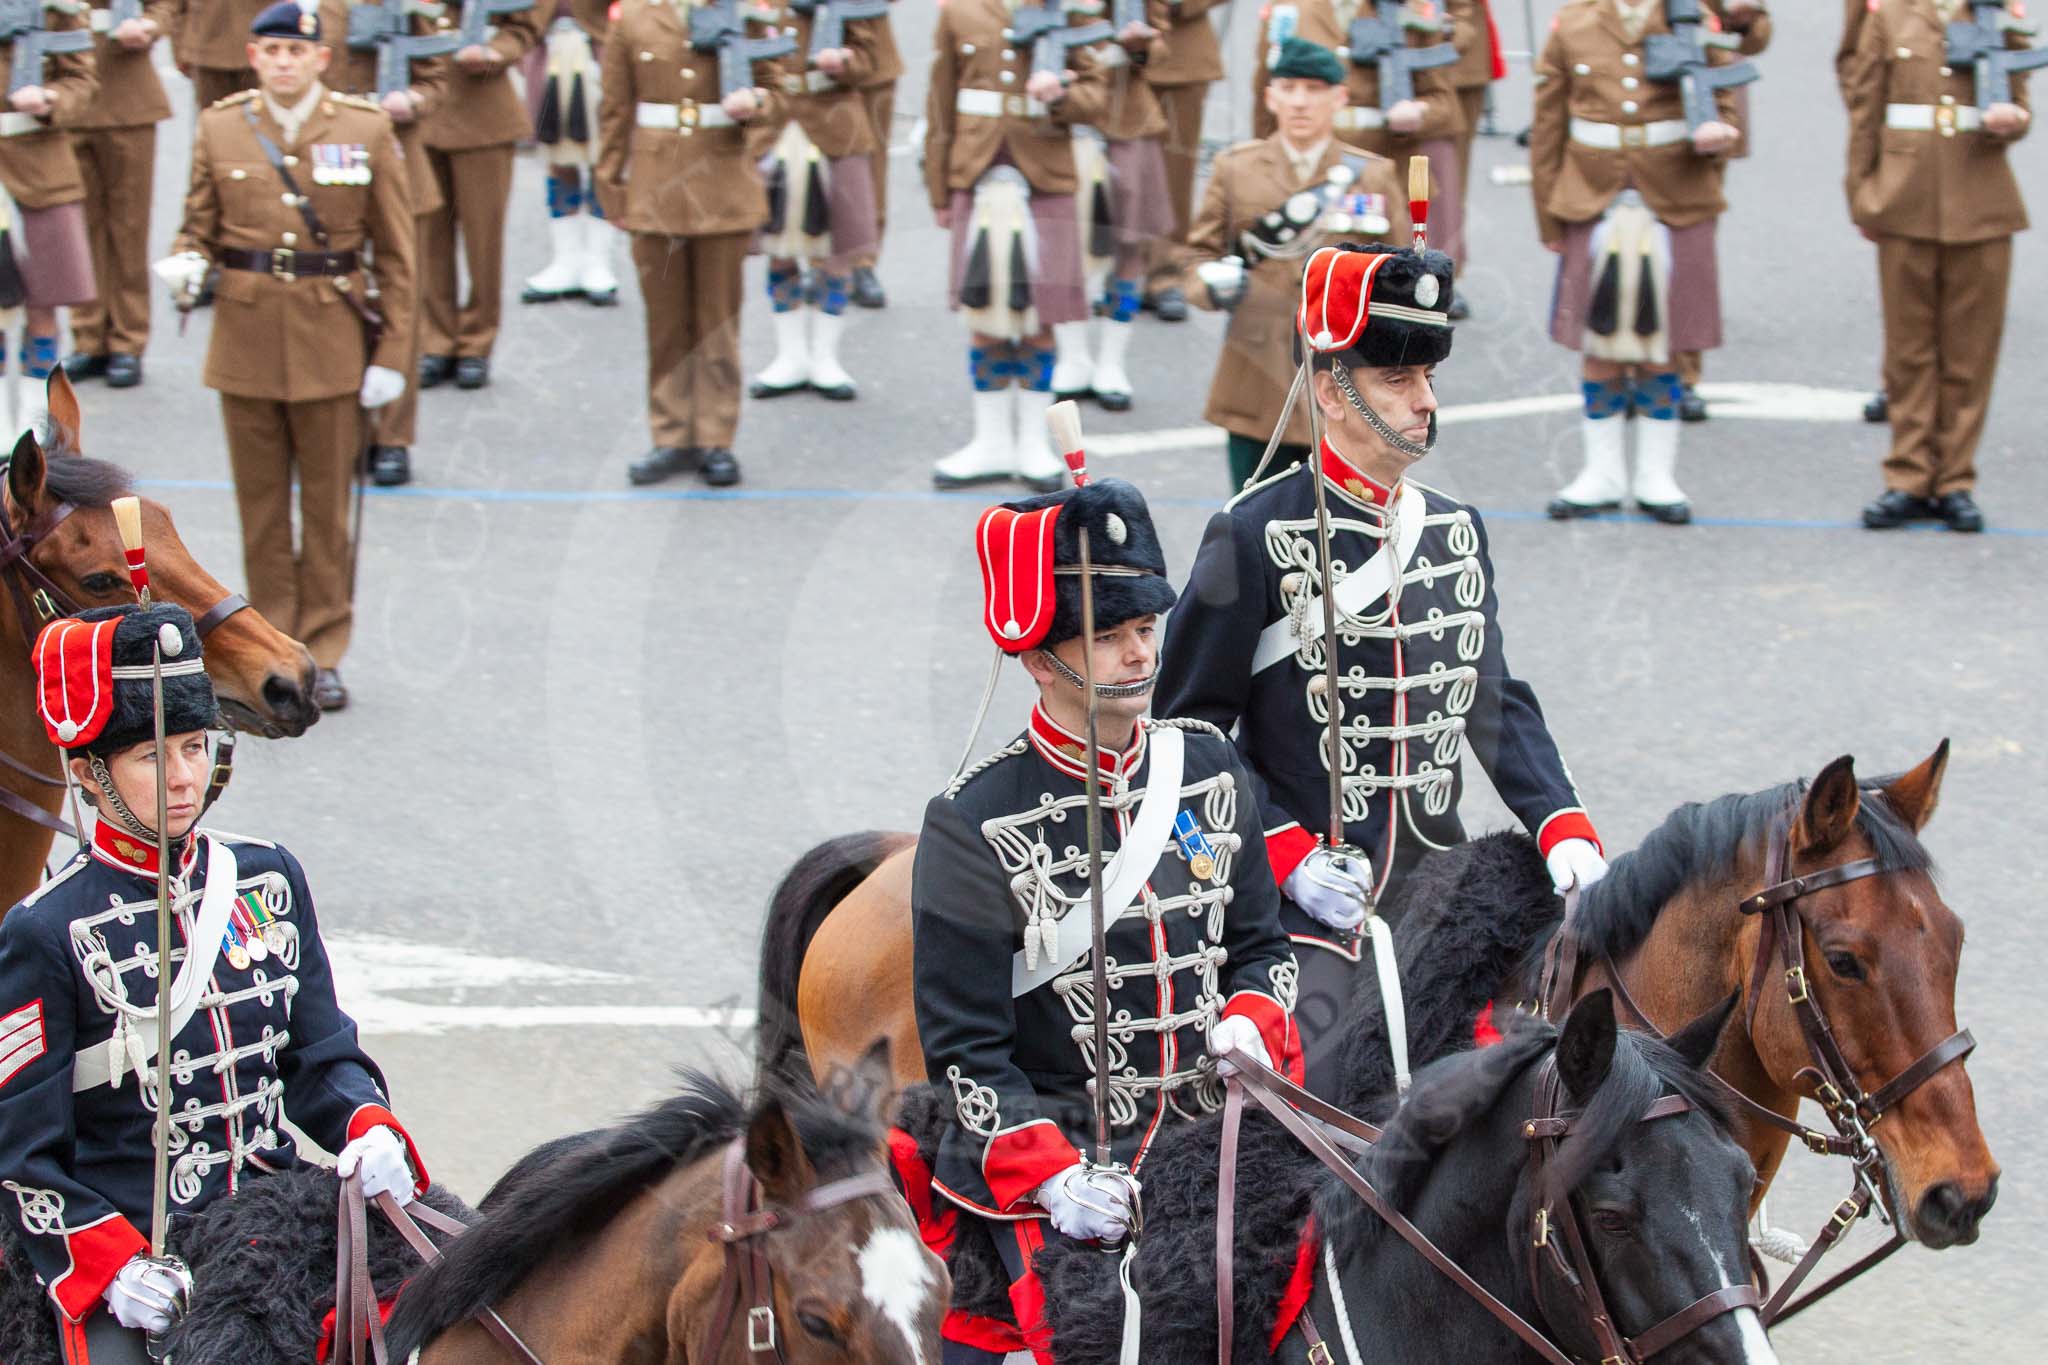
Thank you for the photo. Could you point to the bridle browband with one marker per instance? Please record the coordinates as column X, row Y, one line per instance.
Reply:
column 1851, row 1110
column 747, row 1283
column 37, row 602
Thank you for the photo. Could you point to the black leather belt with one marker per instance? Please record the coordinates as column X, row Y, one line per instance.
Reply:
column 288, row 264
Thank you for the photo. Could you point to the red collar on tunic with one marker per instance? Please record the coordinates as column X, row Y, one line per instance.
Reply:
column 116, row 847
column 1346, row 476
column 1068, row 752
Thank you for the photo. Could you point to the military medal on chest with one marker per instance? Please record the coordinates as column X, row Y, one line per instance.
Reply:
column 341, row 163
column 1195, row 846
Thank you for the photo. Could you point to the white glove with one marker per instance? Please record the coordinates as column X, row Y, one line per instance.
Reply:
column 147, row 1296
column 380, row 1156
column 380, row 386
column 182, row 273
column 1334, row 888
column 1225, row 280
column 1234, row 1031
column 1087, row 1206
column 1575, row 862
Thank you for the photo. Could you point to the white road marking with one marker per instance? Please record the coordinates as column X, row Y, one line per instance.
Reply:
column 1735, row 402
column 379, row 982
column 896, row 1280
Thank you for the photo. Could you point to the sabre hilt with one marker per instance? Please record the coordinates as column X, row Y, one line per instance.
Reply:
column 169, row 1276
column 1113, row 1181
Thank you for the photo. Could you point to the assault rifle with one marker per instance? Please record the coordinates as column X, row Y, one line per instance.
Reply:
column 1381, row 41
column 721, row 27
column 21, row 23
column 475, row 26
column 1680, row 58
column 829, row 19
column 1044, row 29
column 386, row 27
column 1981, row 44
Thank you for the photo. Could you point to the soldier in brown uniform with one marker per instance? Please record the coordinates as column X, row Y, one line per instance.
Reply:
column 291, row 183
column 1427, row 125
column 1930, row 183
column 824, row 162
column 1479, row 66
column 1878, row 409
column 40, row 172
column 999, row 167
column 561, row 97
column 878, row 93
column 353, row 71
column 115, row 142
column 1248, row 186
column 1185, row 61
column 211, row 42
column 469, row 142
column 1627, row 195
column 675, row 172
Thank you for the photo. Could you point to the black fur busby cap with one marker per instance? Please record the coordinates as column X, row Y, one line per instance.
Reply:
column 1376, row 305
column 95, row 691
column 1031, row 563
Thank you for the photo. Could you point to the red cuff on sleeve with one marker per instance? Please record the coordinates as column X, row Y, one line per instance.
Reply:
column 1285, row 848
column 1276, row 1029
column 1569, row 823
column 1017, row 1162
column 377, row 1116
column 97, row 1251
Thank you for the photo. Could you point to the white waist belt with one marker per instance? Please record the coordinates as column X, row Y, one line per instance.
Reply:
column 1357, row 116
column 13, row 123
column 682, row 116
column 996, row 104
column 1612, row 137
column 101, row 21
column 1925, row 118
column 811, row 83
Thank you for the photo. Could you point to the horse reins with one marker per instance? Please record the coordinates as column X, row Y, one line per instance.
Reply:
column 1851, row 1109
column 37, row 602
column 1322, row 1128
column 747, row 1282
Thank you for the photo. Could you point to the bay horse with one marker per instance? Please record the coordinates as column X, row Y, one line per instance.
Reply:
column 613, row 1247
column 57, row 519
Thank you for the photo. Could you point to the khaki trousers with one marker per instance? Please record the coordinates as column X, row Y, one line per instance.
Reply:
column 691, row 287
column 211, row 84
column 881, row 103
column 118, row 166
column 1944, row 315
column 1472, row 104
column 304, row 593
column 476, row 187
column 1183, row 147
column 397, row 422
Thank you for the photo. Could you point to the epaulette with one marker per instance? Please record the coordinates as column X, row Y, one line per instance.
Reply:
column 239, row 97
column 981, row 765
column 70, row 871
column 1188, row 723
column 1237, row 147
column 227, row 838
column 356, row 102
column 1261, row 485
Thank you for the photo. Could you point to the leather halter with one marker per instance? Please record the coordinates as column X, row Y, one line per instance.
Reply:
column 748, row 1281
column 37, row 602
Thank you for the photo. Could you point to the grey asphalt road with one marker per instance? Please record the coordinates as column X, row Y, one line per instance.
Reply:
column 592, row 727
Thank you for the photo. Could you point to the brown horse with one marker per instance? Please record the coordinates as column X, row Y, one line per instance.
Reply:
column 265, row 679
column 613, row 1247
column 836, row 964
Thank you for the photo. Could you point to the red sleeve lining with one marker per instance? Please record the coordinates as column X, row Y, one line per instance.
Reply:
column 377, row 1116
column 1285, row 849
column 1569, row 823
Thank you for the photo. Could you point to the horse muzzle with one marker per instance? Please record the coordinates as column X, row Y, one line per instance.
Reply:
column 1948, row 1216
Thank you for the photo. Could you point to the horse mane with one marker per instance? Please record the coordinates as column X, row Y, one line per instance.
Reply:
column 1701, row 842
column 589, row 1178
column 79, row 479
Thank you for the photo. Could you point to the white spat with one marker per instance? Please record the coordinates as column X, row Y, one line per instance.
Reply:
column 895, row 1278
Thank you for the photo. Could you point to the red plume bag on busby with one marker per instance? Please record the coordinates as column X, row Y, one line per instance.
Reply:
column 1030, row 554
column 93, row 677
column 1380, row 306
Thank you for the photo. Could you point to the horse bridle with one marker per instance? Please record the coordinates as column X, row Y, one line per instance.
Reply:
column 37, row 602
column 747, row 1283
column 1558, row 1241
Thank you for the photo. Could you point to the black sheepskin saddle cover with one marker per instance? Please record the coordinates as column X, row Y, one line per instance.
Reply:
column 1466, row 922
column 262, row 1275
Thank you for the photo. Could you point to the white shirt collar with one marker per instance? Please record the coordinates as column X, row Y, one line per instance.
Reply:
column 1305, row 162
column 294, row 118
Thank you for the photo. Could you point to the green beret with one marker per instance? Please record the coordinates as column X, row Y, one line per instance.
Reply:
column 1308, row 61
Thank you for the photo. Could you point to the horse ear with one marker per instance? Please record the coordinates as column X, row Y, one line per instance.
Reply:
column 1697, row 1041
column 1915, row 795
column 775, row 1154
column 65, row 419
column 1585, row 1050
column 1829, row 811
column 26, row 470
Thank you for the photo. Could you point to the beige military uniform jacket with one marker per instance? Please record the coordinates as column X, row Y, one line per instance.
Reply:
column 36, row 165
column 296, row 340
column 485, row 111
column 1187, row 51
column 975, row 107
column 215, row 33
column 833, row 115
column 888, row 57
column 1753, row 28
column 130, row 93
column 1591, row 70
column 1131, row 111
column 662, row 165
column 354, row 72
column 1469, row 31
column 1247, row 182
column 1321, row 23
column 1945, row 182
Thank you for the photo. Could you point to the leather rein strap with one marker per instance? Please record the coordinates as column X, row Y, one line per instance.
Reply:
column 747, row 1282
